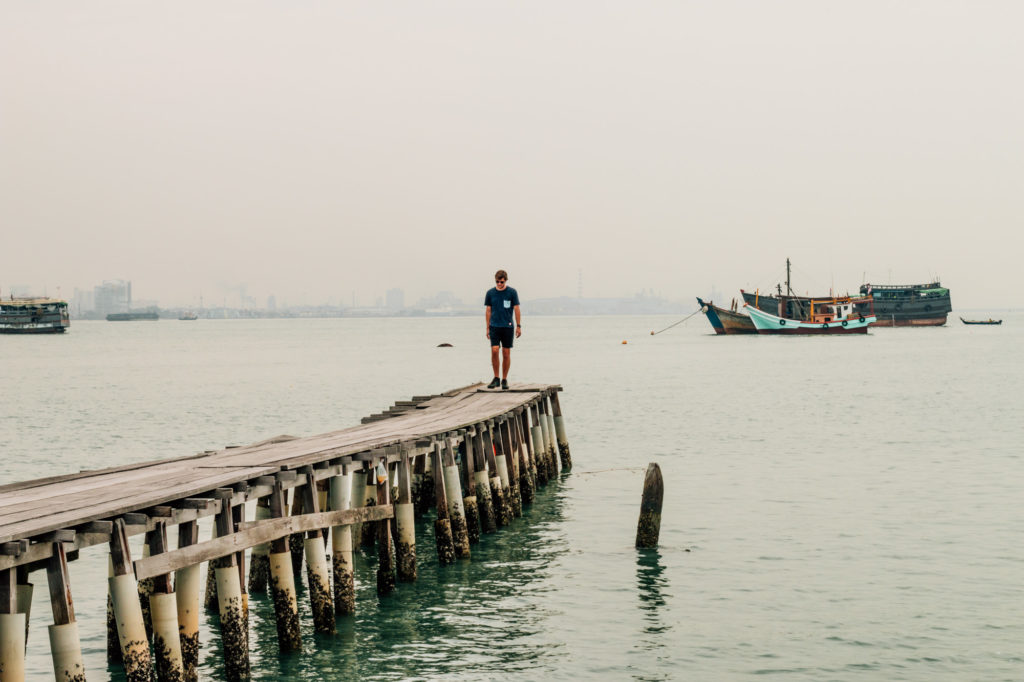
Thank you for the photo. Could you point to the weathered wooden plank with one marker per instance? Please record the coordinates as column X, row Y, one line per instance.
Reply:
column 252, row 533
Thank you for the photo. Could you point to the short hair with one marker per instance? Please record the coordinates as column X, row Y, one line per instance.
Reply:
column 501, row 274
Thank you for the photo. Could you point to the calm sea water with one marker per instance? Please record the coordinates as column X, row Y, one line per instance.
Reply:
column 836, row 508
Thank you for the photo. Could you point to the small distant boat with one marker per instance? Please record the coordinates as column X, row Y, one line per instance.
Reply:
column 188, row 316
column 826, row 316
column 726, row 321
column 988, row 321
column 131, row 317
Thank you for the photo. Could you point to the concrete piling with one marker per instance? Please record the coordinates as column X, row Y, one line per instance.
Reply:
column 369, row 531
column 65, row 645
column 405, row 523
column 259, row 560
column 385, row 554
column 442, row 524
column 320, row 596
column 341, row 547
column 456, row 508
column 186, row 593
column 124, row 590
column 234, row 631
column 482, row 484
column 12, row 646
column 163, row 606
column 282, row 582
column 563, row 441
column 649, row 524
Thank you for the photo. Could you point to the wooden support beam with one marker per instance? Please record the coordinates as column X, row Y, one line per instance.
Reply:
column 60, row 586
column 252, row 533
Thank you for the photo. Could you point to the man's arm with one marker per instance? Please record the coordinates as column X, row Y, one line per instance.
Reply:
column 519, row 327
column 487, row 318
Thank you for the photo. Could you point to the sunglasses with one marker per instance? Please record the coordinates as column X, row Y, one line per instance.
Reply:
column 499, row 281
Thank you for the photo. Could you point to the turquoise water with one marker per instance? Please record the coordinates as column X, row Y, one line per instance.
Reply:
column 836, row 508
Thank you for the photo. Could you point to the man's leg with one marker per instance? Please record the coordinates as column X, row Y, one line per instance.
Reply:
column 506, row 356
column 494, row 361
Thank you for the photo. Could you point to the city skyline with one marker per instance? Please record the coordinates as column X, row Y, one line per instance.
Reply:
column 673, row 147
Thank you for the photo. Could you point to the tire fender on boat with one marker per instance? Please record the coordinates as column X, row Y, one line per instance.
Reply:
column 782, row 323
column 844, row 323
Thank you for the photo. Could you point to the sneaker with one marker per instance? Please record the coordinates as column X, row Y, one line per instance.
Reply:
column 495, row 382
column 504, row 384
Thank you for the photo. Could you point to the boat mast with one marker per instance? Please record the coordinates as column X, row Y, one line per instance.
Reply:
column 789, row 289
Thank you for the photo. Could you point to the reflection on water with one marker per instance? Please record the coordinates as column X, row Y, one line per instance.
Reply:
column 457, row 621
column 651, row 581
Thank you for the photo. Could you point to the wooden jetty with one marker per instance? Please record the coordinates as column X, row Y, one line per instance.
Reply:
column 465, row 449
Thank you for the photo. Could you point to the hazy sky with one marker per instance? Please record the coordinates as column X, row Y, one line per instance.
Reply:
column 313, row 150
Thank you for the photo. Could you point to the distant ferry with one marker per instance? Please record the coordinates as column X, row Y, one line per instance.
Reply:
column 131, row 317
column 34, row 316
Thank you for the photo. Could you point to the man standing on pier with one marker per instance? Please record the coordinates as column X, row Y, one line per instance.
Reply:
column 500, row 304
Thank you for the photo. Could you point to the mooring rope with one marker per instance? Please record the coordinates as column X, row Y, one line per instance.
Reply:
column 605, row 471
column 698, row 310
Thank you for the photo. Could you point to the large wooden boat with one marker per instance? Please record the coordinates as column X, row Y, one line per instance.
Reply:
column 988, row 321
column 726, row 321
column 34, row 316
column 826, row 316
column 909, row 305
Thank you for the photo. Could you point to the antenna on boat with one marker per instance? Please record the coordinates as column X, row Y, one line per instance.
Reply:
column 789, row 289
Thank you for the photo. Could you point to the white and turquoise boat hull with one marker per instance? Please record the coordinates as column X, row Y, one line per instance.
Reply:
column 766, row 323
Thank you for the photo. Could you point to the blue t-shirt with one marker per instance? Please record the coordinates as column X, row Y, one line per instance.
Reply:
column 502, row 304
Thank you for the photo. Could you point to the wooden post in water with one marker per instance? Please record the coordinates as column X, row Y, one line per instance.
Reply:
column 186, row 592
column 113, row 642
column 554, row 466
column 405, row 523
column 385, row 555
column 539, row 448
column 65, row 645
column 124, row 590
column 163, row 606
column 259, row 563
column 12, row 629
column 442, row 524
column 25, row 590
column 233, row 629
column 649, row 526
column 484, row 500
column 456, row 511
column 511, row 467
column 527, row 479
column 357, row 499
column 369, row 535
column 341, row 546
column 498, row 483
column 282, row 581
column 210, row 597
column 563, row 441
column 320, row 596
column 469, row 501
column 297, row 541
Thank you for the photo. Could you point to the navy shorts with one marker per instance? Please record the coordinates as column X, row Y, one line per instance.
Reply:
column 502, row 336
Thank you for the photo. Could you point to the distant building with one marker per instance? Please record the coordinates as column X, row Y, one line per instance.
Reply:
column 113, row 296
column 395, row 300
column 271, row 302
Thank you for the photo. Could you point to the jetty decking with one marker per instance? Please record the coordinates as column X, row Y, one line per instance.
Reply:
column 474, row 455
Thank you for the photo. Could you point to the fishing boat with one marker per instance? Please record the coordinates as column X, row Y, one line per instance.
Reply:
column 988, row 321
column 826, row 316
column 726, row 321
column 894, row 305
column 909, row 305
column 34, row 316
